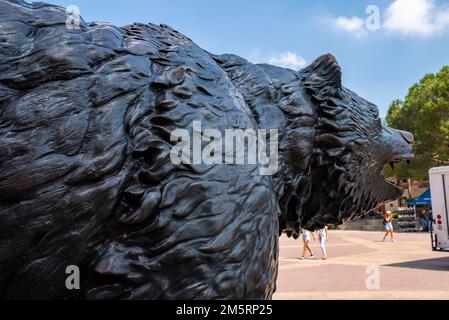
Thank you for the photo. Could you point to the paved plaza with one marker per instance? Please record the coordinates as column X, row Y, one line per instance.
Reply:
column 406, row 269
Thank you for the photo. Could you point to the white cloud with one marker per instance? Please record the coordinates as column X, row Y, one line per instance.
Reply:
column 289, row 60
column 442, row 18
column 416, row 17
column 406, row 17
column 354, row 25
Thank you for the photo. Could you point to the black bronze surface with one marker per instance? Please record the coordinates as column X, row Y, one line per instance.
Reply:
column 86, row 178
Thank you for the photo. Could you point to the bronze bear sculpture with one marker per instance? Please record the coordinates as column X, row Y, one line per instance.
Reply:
column 86, row 179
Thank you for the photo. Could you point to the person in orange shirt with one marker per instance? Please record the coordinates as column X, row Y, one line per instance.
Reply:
column 388, row 222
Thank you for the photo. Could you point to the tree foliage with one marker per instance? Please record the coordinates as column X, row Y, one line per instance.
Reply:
column 425, row 113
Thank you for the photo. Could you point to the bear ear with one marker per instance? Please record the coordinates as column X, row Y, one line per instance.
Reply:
column 323, row 76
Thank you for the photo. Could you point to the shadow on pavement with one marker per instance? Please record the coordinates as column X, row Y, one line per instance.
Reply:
column 437, row 264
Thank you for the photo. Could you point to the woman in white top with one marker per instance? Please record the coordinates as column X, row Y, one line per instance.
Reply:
column 306, row 234
column 322, row 234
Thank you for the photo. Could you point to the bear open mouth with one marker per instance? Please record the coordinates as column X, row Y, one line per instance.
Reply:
column 393, row 162
column 404, row 158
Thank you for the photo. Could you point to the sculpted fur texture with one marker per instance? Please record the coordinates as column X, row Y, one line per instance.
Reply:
column 86, row 178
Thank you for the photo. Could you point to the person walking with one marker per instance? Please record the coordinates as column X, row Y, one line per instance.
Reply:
column 322, row 235
column 306, row 235
column 388, row 222
column 429, row 220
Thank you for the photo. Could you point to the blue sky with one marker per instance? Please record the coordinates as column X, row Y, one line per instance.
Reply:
column 380, row 65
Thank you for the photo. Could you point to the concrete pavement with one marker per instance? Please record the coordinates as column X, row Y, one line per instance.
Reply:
column 361, row 266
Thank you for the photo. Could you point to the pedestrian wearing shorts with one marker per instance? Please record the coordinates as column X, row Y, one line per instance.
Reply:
column 306, row 235
column 388, row 221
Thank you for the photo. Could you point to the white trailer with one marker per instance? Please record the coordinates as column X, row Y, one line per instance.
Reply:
column 439, row 186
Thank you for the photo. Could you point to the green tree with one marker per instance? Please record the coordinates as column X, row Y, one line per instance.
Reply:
column 425, row 113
